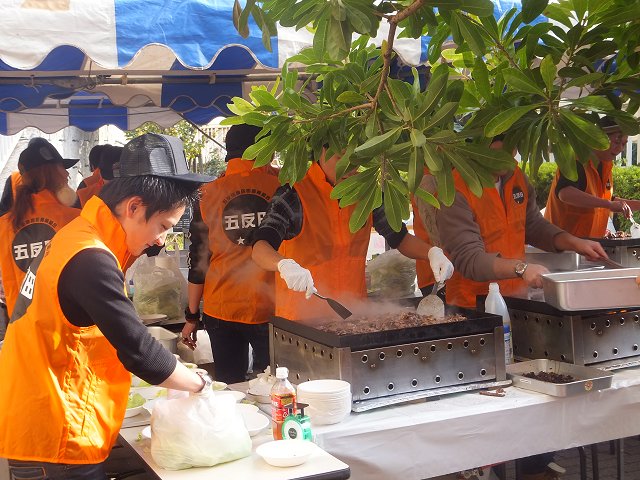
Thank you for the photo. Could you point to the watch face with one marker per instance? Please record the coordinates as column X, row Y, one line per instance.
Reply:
column 520, row 268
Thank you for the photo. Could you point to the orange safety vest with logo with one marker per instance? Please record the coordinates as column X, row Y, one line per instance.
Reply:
column 502, row 227
column 579, row 221
column 423, row 267
column 325, row 246
column 235, row 288
column 91, row 187
column 19, row 248
column 64, row 391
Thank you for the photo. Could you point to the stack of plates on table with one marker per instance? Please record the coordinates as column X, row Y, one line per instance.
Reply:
column 329, row 400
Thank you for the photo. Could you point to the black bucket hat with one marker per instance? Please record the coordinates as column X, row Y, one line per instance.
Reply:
column 159, row 155
column 40, row 152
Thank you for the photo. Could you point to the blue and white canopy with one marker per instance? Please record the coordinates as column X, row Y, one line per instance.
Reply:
column 90, row 63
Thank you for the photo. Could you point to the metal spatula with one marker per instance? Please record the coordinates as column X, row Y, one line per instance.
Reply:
column 336, row 306
column 431, row 304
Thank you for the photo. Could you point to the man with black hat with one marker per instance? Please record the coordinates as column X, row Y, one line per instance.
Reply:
column 109, row 158
column 78, row 332
column 238, row 295
column 582, row 207
column 42, row 205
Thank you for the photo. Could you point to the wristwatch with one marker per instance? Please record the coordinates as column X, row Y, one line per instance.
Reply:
column 206, row 378
column 521, row 267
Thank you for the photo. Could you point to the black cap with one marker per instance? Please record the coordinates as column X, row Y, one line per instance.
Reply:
column 609, row 125
column 238, row 139
column 159, row 155
column 109, row 156
column 40, row 152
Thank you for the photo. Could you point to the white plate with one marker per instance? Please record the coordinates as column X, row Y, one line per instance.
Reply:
column 258, row 398
column 286, row 453
column 152, row 318
column 146, row 432
column 238, row 396
column 132, row 412
column 247, row 407
column 255, row 422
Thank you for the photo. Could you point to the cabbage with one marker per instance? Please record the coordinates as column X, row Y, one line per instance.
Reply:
column 135, row 400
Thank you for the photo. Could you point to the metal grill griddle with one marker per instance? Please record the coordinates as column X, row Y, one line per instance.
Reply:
column 394, row 366
column 475, row 323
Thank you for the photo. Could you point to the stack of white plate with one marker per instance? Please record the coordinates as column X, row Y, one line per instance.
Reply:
column 329, row 400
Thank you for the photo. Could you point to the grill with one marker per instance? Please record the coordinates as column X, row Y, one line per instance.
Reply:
column 606, row 339
column 394, row 366
column 625, row 251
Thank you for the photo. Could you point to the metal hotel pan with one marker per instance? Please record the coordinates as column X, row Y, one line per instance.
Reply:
column 586, row 379
column 592, row 290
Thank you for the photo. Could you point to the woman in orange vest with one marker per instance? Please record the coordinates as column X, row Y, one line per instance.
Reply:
column 305, row 226
column 42, row 206
column 75, row 336
column 238, row 295
column 582, row 207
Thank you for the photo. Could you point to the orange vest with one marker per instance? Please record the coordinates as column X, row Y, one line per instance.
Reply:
column 93, row 185
column 335, row 256
column 63, row 392
column 579, row 221
column 423, row 267
column 235, row 288
column 18, row 249
column 95, row 177
column 502, row 226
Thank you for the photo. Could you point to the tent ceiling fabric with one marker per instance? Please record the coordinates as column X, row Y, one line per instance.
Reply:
column 124, row 62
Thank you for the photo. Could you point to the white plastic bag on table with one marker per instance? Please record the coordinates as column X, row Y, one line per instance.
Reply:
column 159, row 286
column 391, row 275
column 198, row 431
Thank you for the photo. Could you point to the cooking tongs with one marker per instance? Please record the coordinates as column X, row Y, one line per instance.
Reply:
column 336, row 306
column 609, row 263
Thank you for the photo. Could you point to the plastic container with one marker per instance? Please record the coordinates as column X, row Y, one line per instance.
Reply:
column 283, row 400
column 495, row 304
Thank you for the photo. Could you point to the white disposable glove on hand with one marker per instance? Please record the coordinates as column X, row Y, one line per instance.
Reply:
column 440, row 264
column 297, row 278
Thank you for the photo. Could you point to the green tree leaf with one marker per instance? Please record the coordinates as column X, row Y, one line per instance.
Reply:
column 532, row 8
column 379, row 144
column 590, row 134
column 548, row 71
column 519, row 81
column 503, row 121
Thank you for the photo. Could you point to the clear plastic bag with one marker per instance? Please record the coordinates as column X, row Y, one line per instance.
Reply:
column 391, row 275
column 198, row 431
column 159, row 285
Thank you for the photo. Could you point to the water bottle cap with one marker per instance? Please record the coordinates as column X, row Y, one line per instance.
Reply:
column 282, row 372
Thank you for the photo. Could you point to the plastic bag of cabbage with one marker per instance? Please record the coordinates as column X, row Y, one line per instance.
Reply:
column 198, row 431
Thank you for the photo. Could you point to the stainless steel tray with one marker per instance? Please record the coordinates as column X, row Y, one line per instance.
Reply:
column 592, row 290
column 586, row 378
column 555, row 262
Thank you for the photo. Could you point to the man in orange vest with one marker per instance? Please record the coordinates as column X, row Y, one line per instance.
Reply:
column 582, row 207
column 238, row 295
column 74, row 335
column 304, row 226
column 485, row 238
column 109, row 156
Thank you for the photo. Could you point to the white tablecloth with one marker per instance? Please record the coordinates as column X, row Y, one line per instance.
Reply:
column 463, row 431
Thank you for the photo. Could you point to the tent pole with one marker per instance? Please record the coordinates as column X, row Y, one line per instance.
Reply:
column 197, row 127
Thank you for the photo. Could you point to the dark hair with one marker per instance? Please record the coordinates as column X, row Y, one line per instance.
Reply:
column 159, row 194
column 49, row 176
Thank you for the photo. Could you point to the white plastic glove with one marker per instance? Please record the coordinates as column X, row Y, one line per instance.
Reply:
column 297, row 278
column 440, row 264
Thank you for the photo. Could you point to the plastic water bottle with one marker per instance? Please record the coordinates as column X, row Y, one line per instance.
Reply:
column 495, row 304
column 283, row 401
